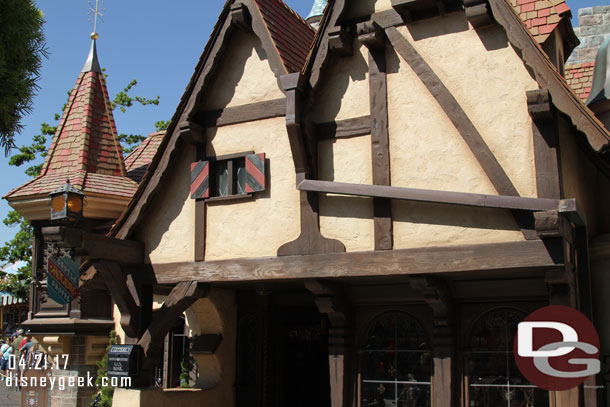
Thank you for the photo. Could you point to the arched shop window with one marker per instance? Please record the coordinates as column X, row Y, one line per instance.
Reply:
column 396, row 363
column 493, row 377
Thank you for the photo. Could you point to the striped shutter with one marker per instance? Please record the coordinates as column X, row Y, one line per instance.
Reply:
column 255, row 172
column 200, row 180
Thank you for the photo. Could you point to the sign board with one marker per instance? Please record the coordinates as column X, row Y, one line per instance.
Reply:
column 37, row 396
column 62, row 279
column 124, row 360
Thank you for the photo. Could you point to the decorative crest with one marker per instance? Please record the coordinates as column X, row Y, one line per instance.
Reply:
column 96, row 12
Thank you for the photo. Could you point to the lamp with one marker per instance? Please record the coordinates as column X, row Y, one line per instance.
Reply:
column 67, row 202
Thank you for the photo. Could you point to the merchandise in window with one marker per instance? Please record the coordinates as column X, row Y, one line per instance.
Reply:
column 493, row 377
column 396, row 365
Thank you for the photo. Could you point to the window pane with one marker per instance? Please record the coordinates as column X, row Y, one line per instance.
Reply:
column 396, row 365
column 221, row 178
column 241, row 176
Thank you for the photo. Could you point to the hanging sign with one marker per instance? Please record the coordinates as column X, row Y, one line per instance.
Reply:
column 62, row 279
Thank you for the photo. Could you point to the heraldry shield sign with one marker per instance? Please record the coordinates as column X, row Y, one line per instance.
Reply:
column 62, row 279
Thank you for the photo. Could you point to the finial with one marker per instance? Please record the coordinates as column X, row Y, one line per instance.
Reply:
column 315, row 15
column 97, row 12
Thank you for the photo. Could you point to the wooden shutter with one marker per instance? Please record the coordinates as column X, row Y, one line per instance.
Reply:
column 200, row 180
column 255, row 172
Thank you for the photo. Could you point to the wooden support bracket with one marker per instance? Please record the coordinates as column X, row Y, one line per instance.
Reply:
column 240, row 17
column 341, row 41
column 478, row 13
column 371, row 34
column 89, row 245
column 182, row 296
column 191, row 132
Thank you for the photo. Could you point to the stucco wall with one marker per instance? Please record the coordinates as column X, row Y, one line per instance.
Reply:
column 343, row 92
column 168, row 232
column 348, row 219
column 259, row 226
column 244, row 77
column 428, row 152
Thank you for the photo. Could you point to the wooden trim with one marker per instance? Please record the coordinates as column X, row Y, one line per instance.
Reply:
column 227, row 197
column 182, row 296
column 229, row 156
column 358, row 126
column 380, row 149
column 245, row 113
column 518, row 256
column 546, row 154
column 89, row 245
column 310, row 241
column 200, row 224
column 433, row 196
column 454, row 112
column 547, row 76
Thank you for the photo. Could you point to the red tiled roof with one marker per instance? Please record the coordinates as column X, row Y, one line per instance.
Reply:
column 540, row 16
column 86, row 137
column 580, row 78
column 137, row 162
column 291, row 35
column 85, row 148
column 87, row 182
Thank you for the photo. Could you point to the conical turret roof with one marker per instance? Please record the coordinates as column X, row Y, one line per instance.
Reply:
column 85, row 148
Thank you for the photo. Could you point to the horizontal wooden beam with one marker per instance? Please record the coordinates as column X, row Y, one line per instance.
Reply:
column 95, row 246
column 522, row 255
column 358, row 126
column 432, row 196
column 245, row 113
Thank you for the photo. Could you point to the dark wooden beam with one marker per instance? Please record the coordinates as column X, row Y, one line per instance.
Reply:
column 191, row 132
column 89, row 245
column 310, row 241
column 240, row 17
column 380, row 149
column 478, row 13
column 182, row 296
column 116, row 283
column 241, row 114
column 454, row 112
column 358, row 126
column 432, row 196
column 518, row 256
column 340, row 41
column 546, row 153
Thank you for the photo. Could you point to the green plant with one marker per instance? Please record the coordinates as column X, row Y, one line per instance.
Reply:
column 105, row 393
column 186, row 367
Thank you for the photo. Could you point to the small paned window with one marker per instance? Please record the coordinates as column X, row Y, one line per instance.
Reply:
column 493, row 377
column 396, row 363
column 233, row 176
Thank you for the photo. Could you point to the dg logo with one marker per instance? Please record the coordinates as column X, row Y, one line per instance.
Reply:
column 557, row 348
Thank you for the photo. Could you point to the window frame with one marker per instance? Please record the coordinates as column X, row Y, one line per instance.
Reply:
column 232, row 175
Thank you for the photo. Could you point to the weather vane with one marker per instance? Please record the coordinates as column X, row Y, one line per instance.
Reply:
column 97, row 12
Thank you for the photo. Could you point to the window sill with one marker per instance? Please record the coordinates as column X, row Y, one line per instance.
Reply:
column 179, row 389
column 227, row 197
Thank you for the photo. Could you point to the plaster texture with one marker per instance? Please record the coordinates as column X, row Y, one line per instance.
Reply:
column 258, row 226
column 244, row 76
column 348, row 219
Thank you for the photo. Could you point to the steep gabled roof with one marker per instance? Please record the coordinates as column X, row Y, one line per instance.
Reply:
column 291, row 35
column 580, row 78
column 85, row 148
column 138, row 161
column 274, row 23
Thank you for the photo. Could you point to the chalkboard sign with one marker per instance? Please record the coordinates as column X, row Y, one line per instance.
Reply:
column 124, row 360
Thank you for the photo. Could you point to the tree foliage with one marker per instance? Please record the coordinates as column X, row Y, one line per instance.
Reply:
column 22, row 47
column 19, row 248
column 104, row 396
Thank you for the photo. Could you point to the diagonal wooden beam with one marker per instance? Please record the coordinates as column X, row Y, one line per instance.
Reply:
column 462, row 123
column 182, row 296
column 454, row 111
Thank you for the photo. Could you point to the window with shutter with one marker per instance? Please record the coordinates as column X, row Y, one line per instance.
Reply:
column 227, row 177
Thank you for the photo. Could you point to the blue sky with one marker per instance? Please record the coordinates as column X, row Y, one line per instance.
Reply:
column 157, row 42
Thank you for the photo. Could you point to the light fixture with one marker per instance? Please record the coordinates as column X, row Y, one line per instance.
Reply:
column 67, row 202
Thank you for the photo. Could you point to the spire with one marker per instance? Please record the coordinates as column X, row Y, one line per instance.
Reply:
column 315, row 15
column 92, row 64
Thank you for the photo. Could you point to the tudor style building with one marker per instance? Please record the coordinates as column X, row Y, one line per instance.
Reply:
column 360, row 215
